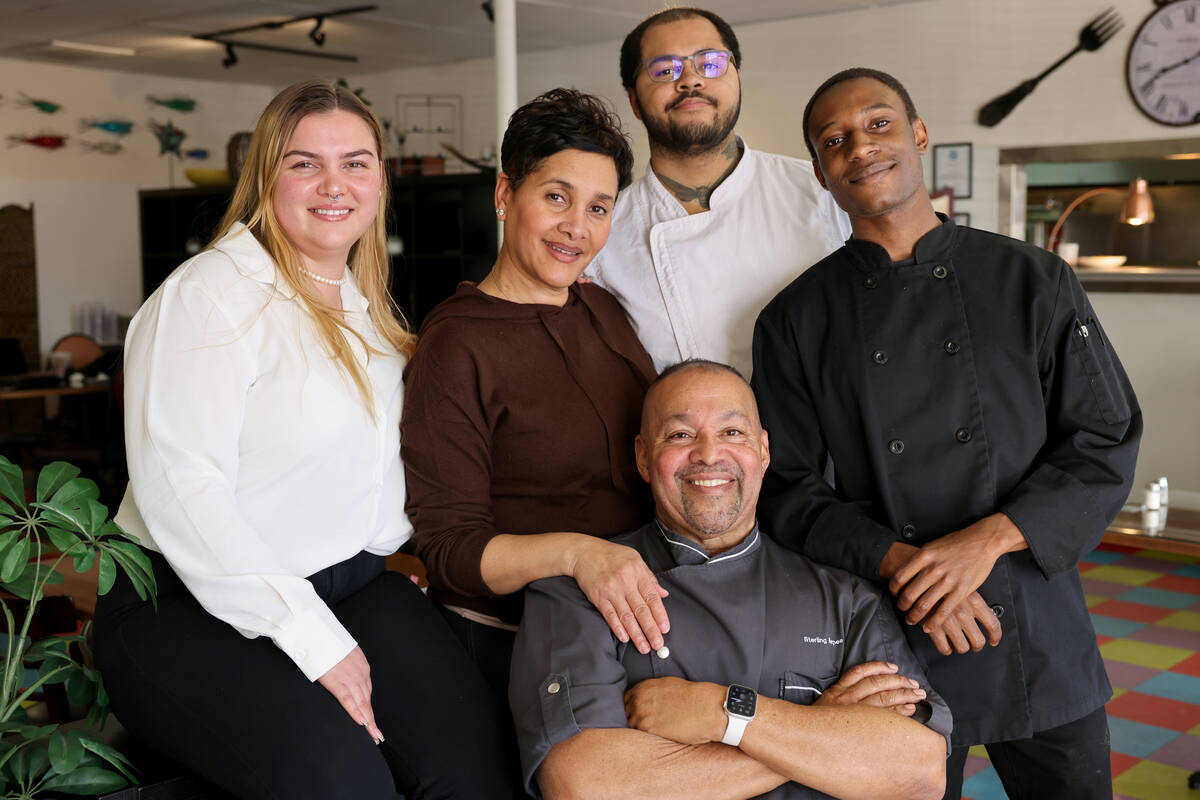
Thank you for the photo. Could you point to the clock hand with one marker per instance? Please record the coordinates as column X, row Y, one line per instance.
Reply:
column 1146, row 86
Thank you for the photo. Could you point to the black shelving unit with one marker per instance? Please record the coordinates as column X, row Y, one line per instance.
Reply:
column 446, row 225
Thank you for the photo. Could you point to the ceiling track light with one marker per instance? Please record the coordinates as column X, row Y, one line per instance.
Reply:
column 317, row 35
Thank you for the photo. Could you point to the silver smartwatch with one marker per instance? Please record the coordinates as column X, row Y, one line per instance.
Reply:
column 741, row 702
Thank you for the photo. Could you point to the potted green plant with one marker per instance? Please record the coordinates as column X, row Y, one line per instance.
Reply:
column 64, row 523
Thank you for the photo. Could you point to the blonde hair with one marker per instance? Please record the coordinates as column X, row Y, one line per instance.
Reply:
column 251, row 205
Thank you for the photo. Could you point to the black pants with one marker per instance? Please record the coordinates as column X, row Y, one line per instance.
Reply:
column 240, row 713
column 491, row 650
column 1070, row 762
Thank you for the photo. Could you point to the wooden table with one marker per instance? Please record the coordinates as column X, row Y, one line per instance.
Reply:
column 55, row 391
column 1180, row 532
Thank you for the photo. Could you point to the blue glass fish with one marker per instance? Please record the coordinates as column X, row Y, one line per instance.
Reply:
column 107, row 148
column 118, row 126
column 184, row 104
column 169, row 137
column 198, row 154
column 45, row 106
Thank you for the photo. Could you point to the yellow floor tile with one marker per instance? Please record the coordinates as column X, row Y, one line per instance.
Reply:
column 1149, row 780
column 1161, row 556
column 1118, row 691
column 981, row 751
column 1184, row 620
column 1143, row 654
column 1195, row 732
column 1130, row 577
column 1093, row 599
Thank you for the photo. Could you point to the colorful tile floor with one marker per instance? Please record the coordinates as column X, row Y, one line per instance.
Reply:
column 1146, row 610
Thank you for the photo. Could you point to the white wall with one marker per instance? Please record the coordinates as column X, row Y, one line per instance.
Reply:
column 953, row 55
column 85, row 203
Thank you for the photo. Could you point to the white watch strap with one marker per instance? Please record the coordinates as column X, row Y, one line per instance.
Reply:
column 734, row 728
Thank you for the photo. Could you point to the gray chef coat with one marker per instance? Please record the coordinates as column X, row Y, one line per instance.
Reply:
column 756, row 614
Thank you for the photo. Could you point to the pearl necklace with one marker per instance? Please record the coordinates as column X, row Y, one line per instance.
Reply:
column 339, row 282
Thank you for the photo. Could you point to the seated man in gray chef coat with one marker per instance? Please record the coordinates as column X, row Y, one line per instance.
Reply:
column 779, row 678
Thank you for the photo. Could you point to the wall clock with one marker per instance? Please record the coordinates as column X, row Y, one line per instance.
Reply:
column 1162, row 70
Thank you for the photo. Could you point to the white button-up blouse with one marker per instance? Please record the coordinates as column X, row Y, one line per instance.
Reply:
column 252, row 459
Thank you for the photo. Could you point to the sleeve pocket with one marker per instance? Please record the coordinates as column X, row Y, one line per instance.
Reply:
column 1089, row 346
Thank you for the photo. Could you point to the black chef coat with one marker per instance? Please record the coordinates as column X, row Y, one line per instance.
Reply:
column 756, row 614
column 971, row 380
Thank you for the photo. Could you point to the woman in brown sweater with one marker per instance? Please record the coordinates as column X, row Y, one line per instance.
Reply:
column 523, row 400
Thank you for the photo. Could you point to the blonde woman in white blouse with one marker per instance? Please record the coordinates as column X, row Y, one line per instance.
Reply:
column 263, row 398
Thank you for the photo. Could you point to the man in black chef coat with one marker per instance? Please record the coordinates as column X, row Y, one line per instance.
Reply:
column 979, row 433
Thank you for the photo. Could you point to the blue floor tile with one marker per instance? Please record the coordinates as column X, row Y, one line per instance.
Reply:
column 1117, row 628
column 1188, row 571
column 1174, row 686
column 984, row 785
column 1136, row 739
column 1159, row 597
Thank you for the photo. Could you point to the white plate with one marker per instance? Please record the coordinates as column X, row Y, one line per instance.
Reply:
column 1101, row 262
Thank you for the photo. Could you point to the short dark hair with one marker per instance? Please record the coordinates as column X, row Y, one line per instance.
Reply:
column 688, row 365
column 631, row 48
column 563, row 119
column 852, row 74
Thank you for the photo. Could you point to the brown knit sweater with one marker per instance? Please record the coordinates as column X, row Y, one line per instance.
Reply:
column 519, row 418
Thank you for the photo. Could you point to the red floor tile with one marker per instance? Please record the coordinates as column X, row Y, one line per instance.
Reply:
column 1131, row 611
column 1153, row 710
column 1121, row 762
column 1176, row 583
column 1103, row 640
column 1189, row 666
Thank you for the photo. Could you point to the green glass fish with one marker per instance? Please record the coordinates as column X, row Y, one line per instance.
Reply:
column 118, row 126
column 45, row 106
column 184, row 104
column 107, row 148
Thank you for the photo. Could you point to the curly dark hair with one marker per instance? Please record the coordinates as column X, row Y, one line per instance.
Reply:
column 631, row 48
column 563, row 119
column 854, row 73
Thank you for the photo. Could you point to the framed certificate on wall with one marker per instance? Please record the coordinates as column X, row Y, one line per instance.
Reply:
column 952, row 169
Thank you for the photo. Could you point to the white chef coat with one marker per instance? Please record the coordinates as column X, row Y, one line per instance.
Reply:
column 693, row 284
column 252, row 460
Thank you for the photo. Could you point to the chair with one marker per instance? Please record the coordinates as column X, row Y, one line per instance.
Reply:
column 84, row 350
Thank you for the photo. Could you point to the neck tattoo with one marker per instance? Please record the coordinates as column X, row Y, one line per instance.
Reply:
column 703, row 194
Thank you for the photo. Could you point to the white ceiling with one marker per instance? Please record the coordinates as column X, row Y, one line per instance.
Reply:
column 400, row 33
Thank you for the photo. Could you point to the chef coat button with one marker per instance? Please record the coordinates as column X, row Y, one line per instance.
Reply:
column 896, row 446
column 908, row 531
column 871, row 282
column 950, row 346
column 939, row 272
column 963, row 435
column 879, row 357
column 553, row 688
column 998, row 610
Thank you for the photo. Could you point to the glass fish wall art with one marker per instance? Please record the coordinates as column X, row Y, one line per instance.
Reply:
column 45, row 106
column 45, row 141
column 184, row 104
column 107, row 148
column 118, row 127
column 169, row 137
column 199, row 154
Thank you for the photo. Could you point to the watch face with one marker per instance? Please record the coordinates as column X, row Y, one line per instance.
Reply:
column 1163, row 67
column 741, row 701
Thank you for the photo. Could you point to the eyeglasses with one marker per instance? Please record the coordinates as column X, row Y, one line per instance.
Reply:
column 706, row 63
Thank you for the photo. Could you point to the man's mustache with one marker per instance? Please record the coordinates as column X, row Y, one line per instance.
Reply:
column 681, row 98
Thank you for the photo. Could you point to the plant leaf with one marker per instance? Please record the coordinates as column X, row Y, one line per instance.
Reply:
column 6, row 540
column 85, row 558
column 81, row 688
column 73, row 492
column 109, row 753
column 137, row 566
column 64, row 540
column 30, row 763
column 87, row 780
column 52, row 478
column 13, row 562
column 12, row 483
column 65, row 752
column 107, row 574
column 44, row 647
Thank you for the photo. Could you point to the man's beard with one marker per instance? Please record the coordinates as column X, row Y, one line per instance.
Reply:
column 695, row 138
